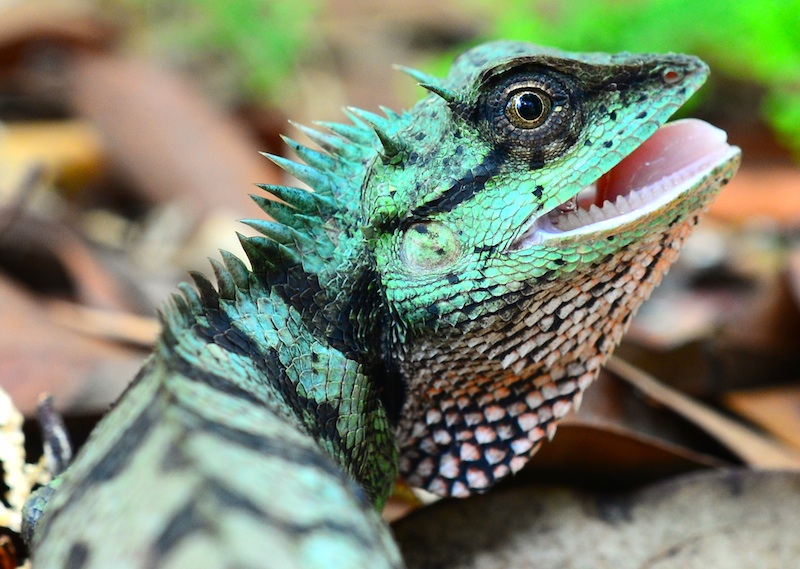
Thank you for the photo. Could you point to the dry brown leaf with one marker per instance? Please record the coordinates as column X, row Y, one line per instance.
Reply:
column 168, row 138
column 601, row 456
column 752, row 447
column 770, row 322
column 736, row 519
column 8, row 553
column 771, row 192
column 33, row 242
column 32, row 24
column 37, row 355
column 793, row 276
column 776, row 409
column 70, row 151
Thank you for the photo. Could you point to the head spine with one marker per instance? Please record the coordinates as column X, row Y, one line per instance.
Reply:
column 446, row 94
column 393, row 147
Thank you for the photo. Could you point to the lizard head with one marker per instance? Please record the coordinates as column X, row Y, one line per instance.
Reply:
column 518, row 217
column 484, row 252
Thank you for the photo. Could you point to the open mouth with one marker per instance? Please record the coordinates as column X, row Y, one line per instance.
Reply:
column 667, row 165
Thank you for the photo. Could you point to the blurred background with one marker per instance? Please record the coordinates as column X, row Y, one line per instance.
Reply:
column 129, row 139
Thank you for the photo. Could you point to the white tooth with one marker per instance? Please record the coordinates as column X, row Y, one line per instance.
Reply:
column 609, row 209
column 634, row 200
column 649, row 192
column 571, row 221
column 596, row 213
column 583, row 218
column 565, row 223
column 622, row 205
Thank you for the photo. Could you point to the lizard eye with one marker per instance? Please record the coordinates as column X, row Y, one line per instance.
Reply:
column 429, row 246
column 528, row 108
column 533, row 113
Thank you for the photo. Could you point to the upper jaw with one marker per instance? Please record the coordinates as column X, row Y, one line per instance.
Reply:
column 662, row 170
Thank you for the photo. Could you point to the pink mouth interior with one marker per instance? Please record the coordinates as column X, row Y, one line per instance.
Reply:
column 672, row 148
column 658, row 170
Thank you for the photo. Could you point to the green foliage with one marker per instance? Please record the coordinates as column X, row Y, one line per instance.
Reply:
column 251, row 44
column 758, row 42
column 262, row 37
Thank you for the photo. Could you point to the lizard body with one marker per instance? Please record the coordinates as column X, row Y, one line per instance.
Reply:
column 434, row 307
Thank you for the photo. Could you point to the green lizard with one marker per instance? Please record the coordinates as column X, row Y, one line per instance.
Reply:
column 441, row 300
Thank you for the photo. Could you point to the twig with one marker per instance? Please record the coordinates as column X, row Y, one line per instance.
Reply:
column 27, row 185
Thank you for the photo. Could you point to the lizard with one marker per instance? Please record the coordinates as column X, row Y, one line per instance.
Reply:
column 444, row 295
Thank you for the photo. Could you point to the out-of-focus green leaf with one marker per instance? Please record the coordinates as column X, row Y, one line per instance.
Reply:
column 255, row 44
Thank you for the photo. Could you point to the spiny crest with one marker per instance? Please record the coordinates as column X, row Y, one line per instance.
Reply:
column 191, row 303
column 320, row 181
column 208, row 294
column 417, row 75
column 179, row 313
column 333, row 172
column 393, row 146
column 305, row 202
column 331, row 143
column 429, row 83
column 188, row 300
column 297, row 235
column 226, row 285
column 236, row 269
column 445, row 93
column 314, row 158
column 289, row 237
column 390, row 113
column 356, row 135
column 278, row 232
column 283, row 234
column 280, row 212
column 267, row 256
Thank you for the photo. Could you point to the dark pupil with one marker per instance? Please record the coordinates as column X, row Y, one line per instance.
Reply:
column 529, row 107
